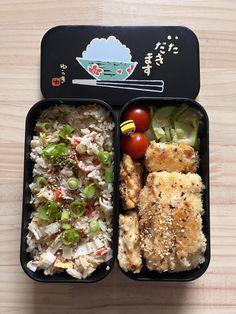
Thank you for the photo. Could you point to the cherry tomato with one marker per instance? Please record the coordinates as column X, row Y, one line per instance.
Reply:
column 141, row 116
column 135, row 145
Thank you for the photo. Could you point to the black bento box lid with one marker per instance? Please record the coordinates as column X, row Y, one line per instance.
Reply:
column 119, row 63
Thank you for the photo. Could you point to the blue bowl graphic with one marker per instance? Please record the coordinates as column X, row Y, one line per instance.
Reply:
column 108, row 70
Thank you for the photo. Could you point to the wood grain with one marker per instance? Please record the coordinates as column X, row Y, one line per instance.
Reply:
column 22, row 25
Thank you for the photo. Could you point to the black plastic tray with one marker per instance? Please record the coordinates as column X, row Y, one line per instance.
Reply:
column 32, row 116
column 203, row 171
column 101, row 272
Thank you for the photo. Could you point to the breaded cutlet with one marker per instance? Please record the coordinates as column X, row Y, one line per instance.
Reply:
column 129, row 252
column 130, row 181
column 170, row 209
column 171, row 157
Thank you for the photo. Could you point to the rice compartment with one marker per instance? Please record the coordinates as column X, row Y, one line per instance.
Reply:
column 72, row 190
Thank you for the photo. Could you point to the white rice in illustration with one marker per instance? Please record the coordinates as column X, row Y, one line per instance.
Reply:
column 110, row 49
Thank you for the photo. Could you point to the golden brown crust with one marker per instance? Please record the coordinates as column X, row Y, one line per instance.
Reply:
column 129, row 252
column 171, row 157
column 130, row 181
column 170, row 223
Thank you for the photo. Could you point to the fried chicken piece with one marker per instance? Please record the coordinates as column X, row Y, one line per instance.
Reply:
column 173, row 189
column 170, row 209
column 171, row 157
column 129, row 252
column 131, row 181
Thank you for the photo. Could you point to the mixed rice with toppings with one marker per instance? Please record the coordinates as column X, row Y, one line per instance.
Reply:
column 71, row 225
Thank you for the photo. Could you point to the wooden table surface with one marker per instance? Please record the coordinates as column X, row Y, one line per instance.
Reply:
column 22, row 25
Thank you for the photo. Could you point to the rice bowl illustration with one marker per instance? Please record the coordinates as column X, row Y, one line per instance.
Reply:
column 107, row 59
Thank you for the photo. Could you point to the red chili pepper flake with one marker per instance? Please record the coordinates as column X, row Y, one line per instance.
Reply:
column 74, row 141
column 37, row 129
column 89, row 211
column 58, row 196
column 96, row 162
column 82, row 171
column 73, row 153
column 84, row 155
column 52, row 267
column 74, row 156
column 57, row 255
column 102, row 251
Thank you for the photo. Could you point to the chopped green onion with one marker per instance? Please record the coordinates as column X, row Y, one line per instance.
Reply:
column 94, row 226
column 108, row 175
column 73, row 183
column 70, row 161
column 40, row 181
column 53, row 209
column 66, row 131
column 42, row 213
column 65, row 215
column 65, row 226
column 104, row 157
column 45, row 126
column 56, row 150
column 77, row 209
column 81, row 148
column 90, row 191
column 70, row 237
column 50, row 211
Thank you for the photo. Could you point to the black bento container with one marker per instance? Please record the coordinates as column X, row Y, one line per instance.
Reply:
column 27, row 208
column 59, row 51
column 203, row 171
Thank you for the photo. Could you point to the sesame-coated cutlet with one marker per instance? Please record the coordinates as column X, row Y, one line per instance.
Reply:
column 171, row 157
column 170, row 209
